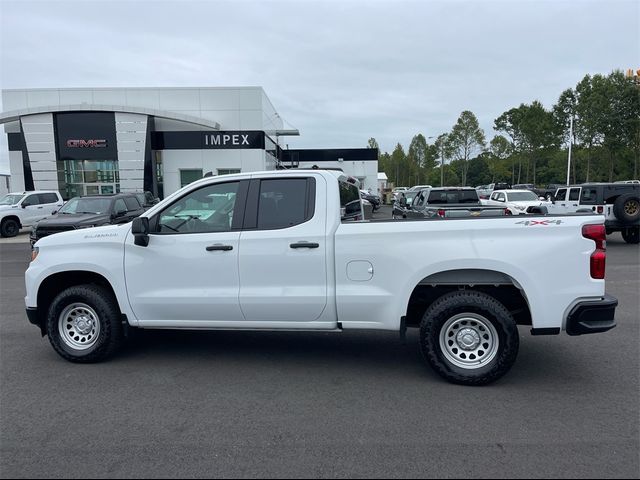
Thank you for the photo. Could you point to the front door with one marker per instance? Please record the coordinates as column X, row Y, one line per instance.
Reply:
column 283, row 251
column 188, row 274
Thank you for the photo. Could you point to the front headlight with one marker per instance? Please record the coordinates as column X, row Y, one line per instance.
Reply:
column 520, row 207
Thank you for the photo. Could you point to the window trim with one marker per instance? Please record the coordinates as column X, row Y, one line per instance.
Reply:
column 236, row 223
column 253, row 200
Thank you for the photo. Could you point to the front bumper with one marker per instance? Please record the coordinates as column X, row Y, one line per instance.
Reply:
column 593, row 316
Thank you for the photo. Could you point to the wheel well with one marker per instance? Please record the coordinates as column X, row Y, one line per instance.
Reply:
column 58, row 282
column 498, row 285
column 12, row 217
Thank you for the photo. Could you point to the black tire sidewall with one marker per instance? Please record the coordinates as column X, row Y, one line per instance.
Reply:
column 618, row 208
column 469, row 302
column 6, row 232
column 631, row 235
column 104, row 305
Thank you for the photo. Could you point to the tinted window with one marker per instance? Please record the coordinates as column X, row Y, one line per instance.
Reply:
column 48, row 198
column 206, row 210
column 132, row 203
column 31, row 200
column 574, row 194
column 453, row 196
column 283, row 203
column 589, row 196
column 561, row 194
column 120, row 206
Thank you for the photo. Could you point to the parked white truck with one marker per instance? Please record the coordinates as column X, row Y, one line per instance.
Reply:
column 24, row 209
column 273, row 251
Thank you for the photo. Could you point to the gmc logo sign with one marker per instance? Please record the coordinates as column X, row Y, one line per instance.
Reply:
column 86, row 143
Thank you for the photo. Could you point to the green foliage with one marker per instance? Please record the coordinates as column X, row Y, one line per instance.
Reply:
column 605, row 142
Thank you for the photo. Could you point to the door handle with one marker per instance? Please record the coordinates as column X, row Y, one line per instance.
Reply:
column 219, row 247
column 304, row 245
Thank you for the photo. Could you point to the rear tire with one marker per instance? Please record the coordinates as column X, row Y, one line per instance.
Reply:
column 631, row 235
column 469, row 338
column 84, row 324
column 9, row 228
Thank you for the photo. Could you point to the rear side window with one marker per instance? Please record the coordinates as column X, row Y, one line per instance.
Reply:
column 132, row 203
column 574, row 194
column 285, row 202
column 561, row 194
column 589, row 196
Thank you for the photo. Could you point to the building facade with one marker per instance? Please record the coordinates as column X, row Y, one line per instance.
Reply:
column 108, row 140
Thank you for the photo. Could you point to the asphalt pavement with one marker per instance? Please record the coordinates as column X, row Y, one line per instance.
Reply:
column 353, row 404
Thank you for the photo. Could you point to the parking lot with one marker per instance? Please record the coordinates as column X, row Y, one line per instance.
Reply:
column 354, row 404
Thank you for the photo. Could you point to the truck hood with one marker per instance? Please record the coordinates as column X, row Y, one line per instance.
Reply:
column 83, row 237
column 74, row 219
column 4, row 208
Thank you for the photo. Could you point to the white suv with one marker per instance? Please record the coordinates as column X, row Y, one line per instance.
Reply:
column 23, row 209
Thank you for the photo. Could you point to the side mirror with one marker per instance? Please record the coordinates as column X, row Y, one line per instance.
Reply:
column 24, row 205
column 55, row 212
column 542, row 198
column 140, row 229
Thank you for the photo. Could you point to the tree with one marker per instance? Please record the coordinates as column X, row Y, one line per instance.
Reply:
column 443, row 153
column 399, row 166
column 372, row 143
column 500, row 150
column 421, row 158
column 465, row 141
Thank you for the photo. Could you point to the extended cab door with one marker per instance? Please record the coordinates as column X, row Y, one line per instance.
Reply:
column 283, row 249
column 188, row 273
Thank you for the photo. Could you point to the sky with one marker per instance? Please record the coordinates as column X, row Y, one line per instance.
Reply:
column 339, row 71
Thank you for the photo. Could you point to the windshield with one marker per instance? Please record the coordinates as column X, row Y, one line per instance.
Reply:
column 86, row 205
column 10, row 199
column 522, row 196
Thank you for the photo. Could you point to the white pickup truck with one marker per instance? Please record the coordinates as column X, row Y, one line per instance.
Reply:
column 24, row 209
column 273, row 251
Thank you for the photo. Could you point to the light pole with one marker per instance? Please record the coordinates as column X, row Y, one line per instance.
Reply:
column 441, row 138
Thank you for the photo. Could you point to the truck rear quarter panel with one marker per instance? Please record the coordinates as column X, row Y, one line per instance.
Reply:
column 546, row 257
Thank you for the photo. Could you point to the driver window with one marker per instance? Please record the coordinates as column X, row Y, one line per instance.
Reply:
column 206, row 210
column 30, row 201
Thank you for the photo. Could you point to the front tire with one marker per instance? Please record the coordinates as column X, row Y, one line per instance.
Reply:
column 469, row 338
column 9, row 228
column 84, row 325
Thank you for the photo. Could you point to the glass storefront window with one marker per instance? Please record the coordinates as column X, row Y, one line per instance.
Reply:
column 88, row 177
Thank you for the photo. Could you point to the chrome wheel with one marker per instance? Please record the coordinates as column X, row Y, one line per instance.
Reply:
column 469, row 340
column 631, row 208
column 79, row 326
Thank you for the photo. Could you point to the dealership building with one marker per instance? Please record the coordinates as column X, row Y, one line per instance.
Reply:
column 108, row 140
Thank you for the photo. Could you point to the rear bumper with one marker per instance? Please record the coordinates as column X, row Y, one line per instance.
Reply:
column 593, row 316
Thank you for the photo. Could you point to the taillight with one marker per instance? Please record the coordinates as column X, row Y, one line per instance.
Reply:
column 507, row 211
column 600, row 209
column 598, row 234
column 441, row 213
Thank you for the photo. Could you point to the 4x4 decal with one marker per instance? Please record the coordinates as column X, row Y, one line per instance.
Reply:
column 530, row 223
